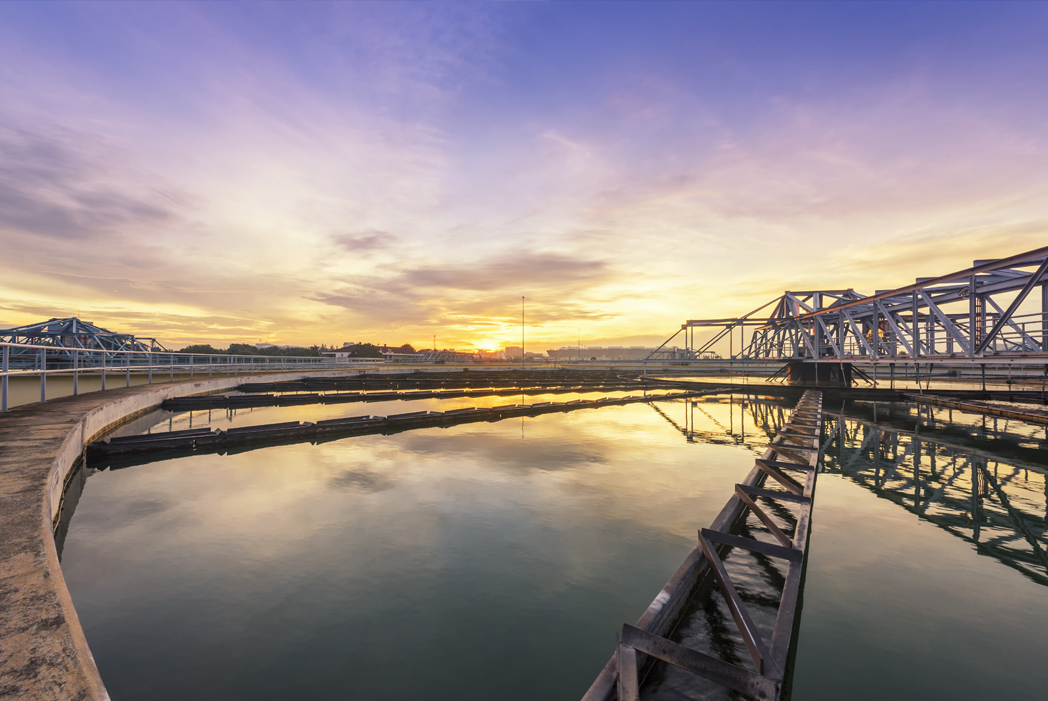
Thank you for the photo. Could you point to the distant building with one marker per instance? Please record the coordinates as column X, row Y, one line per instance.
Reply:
column 390, row 353
column 338, row 353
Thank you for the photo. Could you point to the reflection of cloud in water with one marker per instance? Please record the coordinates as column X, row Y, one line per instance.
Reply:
column 359, row 480
column 504, row 450
column 142, row 508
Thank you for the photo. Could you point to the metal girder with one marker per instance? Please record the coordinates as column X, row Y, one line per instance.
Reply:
column 1007, row 315
column 986, row 311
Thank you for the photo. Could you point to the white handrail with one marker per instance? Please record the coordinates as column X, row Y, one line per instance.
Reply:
column 99, row 360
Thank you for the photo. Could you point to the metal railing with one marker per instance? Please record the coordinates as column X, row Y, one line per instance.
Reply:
column 21, row 360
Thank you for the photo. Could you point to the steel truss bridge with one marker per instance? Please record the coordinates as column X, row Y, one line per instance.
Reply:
column 994, row 311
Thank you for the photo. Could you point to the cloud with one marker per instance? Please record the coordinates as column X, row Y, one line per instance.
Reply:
column 481, row 293
column 69, row 185
column 366, row 241
column 359, row 480
column 516, row 270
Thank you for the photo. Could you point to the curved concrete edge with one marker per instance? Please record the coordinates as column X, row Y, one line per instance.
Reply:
column 43, row 651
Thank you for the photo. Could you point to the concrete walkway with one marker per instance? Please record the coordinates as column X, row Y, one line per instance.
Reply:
column 43, row 653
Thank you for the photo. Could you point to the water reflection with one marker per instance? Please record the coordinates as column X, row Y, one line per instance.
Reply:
column 982, row 489
column 478, row 556
column 877, row 575
column 286, row 570
column 703, row 419
column 926, row 574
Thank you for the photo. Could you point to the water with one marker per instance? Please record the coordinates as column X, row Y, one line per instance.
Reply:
column 498, row 560
column 481, row 561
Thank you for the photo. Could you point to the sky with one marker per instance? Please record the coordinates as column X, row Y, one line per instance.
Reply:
column 311, row 172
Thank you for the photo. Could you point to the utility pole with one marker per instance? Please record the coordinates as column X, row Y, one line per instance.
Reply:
column 522, row 332
column 580, row 343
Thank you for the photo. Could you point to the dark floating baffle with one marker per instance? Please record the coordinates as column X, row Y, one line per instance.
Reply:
column 262, row 428
column 188, row 433
column 345, row 421
column 129, row 450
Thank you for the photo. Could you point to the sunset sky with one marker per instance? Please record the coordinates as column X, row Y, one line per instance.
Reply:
column 326, row 172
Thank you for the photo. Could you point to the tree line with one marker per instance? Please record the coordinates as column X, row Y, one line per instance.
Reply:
column 360, row 350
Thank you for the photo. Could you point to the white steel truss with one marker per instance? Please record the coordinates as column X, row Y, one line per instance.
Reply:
column 996, row 309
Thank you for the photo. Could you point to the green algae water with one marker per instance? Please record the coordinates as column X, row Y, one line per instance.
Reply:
column 497, row 560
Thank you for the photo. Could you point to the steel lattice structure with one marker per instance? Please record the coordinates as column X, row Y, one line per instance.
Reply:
column 987, row 311
column 73, row 333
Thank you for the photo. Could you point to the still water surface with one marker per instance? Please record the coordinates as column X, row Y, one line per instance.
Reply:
column 497, row 560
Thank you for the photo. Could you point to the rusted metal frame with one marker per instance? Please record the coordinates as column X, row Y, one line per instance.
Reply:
column 774, row 494
column 790, row 451
column 778, row 464
column 1027, row 288
column 807, row 421
column 799, row 440
column 794, row 433
column 732, row 676
column 803, row 414
column 784, row 619
column 752, row 544
column 764, row 518
column 663, row 612
column 787, row 606
column 629, row 678
column 804, row 410
column 780, row 478
column 759, row 652
column 788, row 430
column 778, row 444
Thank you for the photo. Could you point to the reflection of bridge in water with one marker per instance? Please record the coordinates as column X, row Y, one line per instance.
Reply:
column 766, row 415
column 981, row 479
column 986, row 497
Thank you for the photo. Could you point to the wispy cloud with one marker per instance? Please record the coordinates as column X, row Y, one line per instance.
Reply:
column 310, row 170
column 67, row 185
column 365, row 242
